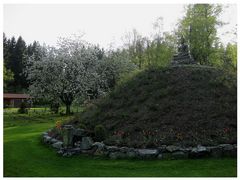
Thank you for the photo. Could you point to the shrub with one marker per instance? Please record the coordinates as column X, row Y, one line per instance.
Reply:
column 82, row 126
column 59, row 124
column 100, row 132
column 23, row 108
column 54, row 107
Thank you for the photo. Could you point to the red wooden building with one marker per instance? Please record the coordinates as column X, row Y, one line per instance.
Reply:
column 14, row 100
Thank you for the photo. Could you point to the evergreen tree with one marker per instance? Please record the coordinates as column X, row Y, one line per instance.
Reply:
column 7, row 77
column 11, row 56
column 19, row 61
column 15, row 55
column 6, row 53
column 34, row 49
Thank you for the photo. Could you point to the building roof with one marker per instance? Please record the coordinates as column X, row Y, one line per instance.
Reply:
column 15, row 96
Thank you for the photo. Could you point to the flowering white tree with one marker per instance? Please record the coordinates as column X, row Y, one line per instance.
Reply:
column 74, row 69
column 63, row 72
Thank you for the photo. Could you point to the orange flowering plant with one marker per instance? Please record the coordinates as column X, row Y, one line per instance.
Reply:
column 59, row 124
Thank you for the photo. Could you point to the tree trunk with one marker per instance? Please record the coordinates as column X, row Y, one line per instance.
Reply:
column 68, row 110
column 67, row 99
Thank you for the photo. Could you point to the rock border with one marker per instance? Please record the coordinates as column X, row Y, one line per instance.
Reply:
column 87, row 146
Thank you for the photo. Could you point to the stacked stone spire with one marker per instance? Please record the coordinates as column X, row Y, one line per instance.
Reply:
column 183, row 56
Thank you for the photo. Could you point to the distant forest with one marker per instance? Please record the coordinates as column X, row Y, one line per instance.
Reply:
column 198, row 28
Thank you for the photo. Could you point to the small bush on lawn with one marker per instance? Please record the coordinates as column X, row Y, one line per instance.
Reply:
column 23, row 108
column 54, row 107
column 82, row 126
column 100, row 132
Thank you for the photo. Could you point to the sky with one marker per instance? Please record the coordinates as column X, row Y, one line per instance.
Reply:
column 100, row 23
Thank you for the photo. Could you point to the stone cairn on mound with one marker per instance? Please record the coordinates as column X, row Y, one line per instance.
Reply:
column 183, row 56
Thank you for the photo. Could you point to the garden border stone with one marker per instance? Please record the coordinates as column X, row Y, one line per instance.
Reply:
column 115, row 152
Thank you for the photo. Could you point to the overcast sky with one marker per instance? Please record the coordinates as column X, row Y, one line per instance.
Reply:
column 101, row 24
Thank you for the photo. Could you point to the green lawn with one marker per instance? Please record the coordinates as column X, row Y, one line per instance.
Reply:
column 25, row 156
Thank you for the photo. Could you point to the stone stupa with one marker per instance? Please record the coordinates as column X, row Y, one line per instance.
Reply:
column 183, row 56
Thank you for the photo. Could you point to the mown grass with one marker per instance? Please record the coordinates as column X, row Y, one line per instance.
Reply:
column 25, row 156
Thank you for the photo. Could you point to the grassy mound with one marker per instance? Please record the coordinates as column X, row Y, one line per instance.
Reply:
column 185, row 105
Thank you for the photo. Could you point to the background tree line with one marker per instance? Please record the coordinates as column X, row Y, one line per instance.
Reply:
column 16, row 52
column 199, row 29
column 77, row 70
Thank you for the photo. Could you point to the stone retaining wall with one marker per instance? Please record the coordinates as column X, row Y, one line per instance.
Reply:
column 87, row 146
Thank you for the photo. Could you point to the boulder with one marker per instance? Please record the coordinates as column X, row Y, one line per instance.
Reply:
column 179, row 155
column 77, row 144
column 105, row 152
column 147, row 153
column 224, row 145
column 215, row 151
column 162, row 149
column 229, row 150
column 97, row 149
column 49, row 130
column 165, row 156
column 199, row 151
column 160, row 156
column 57, row 145
column 98, row 152
column 86, row 151
column 112, row 148
column 47, row 139
column 44, row 134
column 123, row 149
column 53, row 140
column 188, row 149
column 229, row 147
column 68, row 154
column 60, row 152
column 131, row 154
column 71, row 151
column 79, row 132
column 117, row 155
column 86, row 143
column 99, row 145
column 172, row 148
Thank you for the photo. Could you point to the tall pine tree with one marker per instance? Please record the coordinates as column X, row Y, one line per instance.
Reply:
column 19, row 61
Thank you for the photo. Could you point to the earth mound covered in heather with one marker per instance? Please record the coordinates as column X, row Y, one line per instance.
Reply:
column 182, row 105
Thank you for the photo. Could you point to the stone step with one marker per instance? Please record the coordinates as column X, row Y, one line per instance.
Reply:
column 179, row 56
column 182, row 59
column 186, row 61
column 182, row 54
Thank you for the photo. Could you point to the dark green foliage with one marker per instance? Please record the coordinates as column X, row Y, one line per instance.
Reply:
column 189, row 105
column 145, row 52
column 23, row 108
column 15, row 59
column 82, row 126
column 199, row 28
column 7, row 76
column 54, row 107
column 19, row 61
column 15, row 54
column 100, row 132
column 34, row 49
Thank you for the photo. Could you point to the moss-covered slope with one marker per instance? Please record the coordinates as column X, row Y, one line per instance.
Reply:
column 186, row 105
